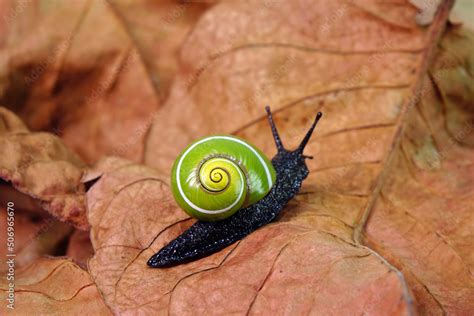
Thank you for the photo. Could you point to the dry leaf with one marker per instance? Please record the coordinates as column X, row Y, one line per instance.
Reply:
column 37, row 232
column 422, row 215
column 133, row 214
column 427, row 10
column 296, row 63
column 369, row 79
column 96, row 87
column 80, row 248
column 22, row 201
column 158, row 30
column 38, row 164
column 27, row 229
column 50, row 240
column 384, row 223
column 40, row 289
column 34, row 238
column 10, row 123
column 463, row 14
column 104, row 165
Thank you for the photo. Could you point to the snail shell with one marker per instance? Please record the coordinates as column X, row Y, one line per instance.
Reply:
column 216, row 176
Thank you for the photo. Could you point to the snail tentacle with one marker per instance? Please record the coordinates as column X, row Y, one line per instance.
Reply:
column 276, row 136
column 306, row 138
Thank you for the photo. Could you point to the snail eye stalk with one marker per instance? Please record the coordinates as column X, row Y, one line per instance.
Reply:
column 306, row 138
column 276, row 136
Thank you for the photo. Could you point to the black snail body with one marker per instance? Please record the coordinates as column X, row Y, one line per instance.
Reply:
column 206, row 237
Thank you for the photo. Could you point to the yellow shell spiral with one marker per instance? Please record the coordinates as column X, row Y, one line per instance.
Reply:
column 214, row 174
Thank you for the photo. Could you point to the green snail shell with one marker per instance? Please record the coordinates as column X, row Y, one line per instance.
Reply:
column 216, row 176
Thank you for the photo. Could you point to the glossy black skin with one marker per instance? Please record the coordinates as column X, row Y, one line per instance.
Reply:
column 204, row 238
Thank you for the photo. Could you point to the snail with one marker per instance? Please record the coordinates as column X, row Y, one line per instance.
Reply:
column 232, row 189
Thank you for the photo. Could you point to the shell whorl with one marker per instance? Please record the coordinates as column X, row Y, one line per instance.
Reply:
column 216, row 176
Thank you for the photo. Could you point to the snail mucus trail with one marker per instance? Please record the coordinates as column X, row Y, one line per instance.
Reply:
column 206, row 237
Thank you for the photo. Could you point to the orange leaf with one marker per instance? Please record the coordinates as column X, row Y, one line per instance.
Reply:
column 38, row 164
column 368, row 78
column 93, row 70
column 421, row 217
column 40, row 289
column 80, row 248
column 383, row 224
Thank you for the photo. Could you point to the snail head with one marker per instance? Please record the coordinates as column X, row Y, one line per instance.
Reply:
column 291, row 162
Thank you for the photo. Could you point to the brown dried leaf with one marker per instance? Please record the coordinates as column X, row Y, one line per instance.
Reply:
column 10, row 123
column 23, row 202
column 368, row 78
column 96, row 87
column 49, row 240
column 38, row 164
column 271, row 57
column 37, row 232
column 132, row 215
column 384, row 224
column 26, row 231
column 40, row 289
column 35, row 239
column 423, row 216
column 381, row 155
column 80, row 248
column 158, row 30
